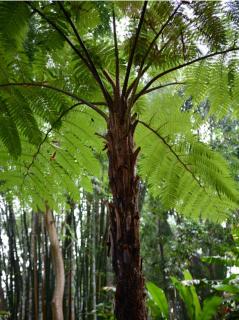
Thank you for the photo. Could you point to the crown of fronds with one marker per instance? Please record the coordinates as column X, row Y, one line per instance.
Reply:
column 48, row 97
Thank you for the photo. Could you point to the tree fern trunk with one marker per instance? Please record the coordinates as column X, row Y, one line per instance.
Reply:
column 124, row 216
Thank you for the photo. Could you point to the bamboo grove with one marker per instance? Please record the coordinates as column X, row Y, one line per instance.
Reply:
column 119, row 86
column 28, row 268
column 27, row 275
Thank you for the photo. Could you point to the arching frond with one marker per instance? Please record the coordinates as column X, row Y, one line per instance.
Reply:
column 185, row 173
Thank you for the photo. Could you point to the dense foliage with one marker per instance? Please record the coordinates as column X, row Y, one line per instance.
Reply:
column 43, row 78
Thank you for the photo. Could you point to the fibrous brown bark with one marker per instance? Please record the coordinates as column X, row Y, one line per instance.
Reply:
column 58, row 266
column 124, row 215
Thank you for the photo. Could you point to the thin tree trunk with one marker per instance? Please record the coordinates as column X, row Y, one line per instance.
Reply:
column 24, row 272
column 44, row 267
column 81, row 269
column 49, row 277
column 3, row 304
column 124, row 215
column 2, row 300
column 102, row 252
column 68, row 258
column 34, row 254
column 162, row 258
column 58, row 266
column 72, row 304
column 40, row 262
column 93, row 252
column 87, row 260
column 28, row 300
column 78, row 267
column 15, row 274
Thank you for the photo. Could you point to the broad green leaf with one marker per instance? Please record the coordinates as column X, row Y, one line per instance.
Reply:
column 210, row 306
column 159, row 298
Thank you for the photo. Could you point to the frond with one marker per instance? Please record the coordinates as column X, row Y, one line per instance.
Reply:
column 9, row 134
column 209, row 24
column 64, row 161
column 163, row 113
column 14, row 17
column 217, row 82
column 22, row 115
column 183, row 172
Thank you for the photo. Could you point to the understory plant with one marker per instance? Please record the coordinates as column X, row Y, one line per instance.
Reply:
column 159, row 306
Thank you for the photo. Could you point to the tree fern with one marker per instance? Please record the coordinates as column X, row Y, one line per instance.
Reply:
column 58, row 67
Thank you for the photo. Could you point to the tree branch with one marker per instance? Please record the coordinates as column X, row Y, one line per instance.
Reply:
column 172, row 151
column 163, row 86
column 142, row 70
column 88, row 57
column 158, row 35
column 109, row 79
column 180, row 66
column 131, row 57
column 133, row 86
column 92, row 105
column 60, row 32
column 54, row 25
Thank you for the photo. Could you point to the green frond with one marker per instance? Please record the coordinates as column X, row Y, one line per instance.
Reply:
column 84, row 83
column 208, row 22
column 211, row 166
column 22, row 115
column 14, row 18
column 185, row 173
column 164, row 113
column 59, row 166
column 215, row 82
column 197, row 81
column 9, row 135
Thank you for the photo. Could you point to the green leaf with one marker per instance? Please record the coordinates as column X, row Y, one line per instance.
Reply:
column 227, row 288
column 159, row 298
column 210, row 306
column 189, row 296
